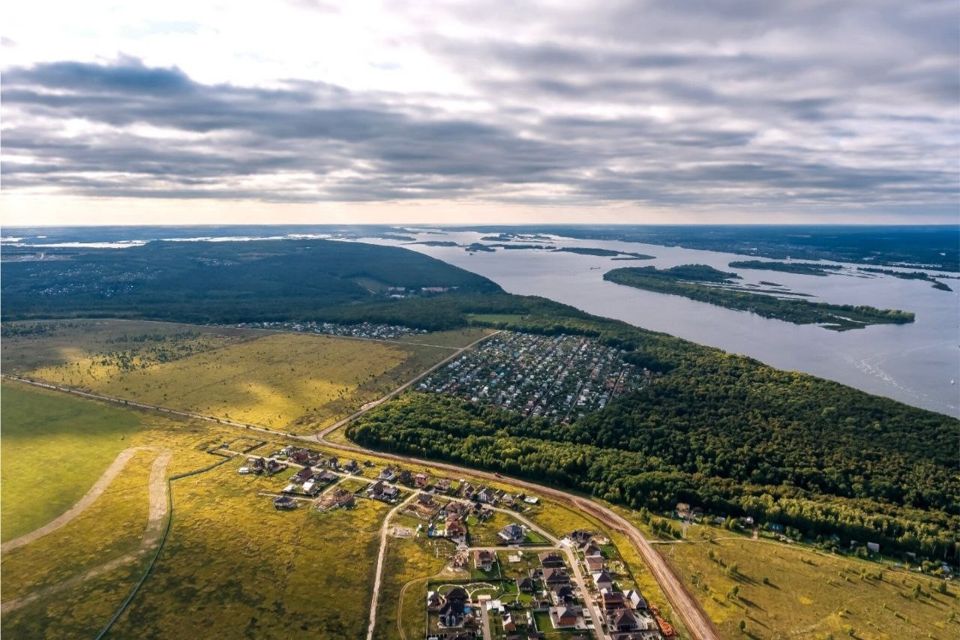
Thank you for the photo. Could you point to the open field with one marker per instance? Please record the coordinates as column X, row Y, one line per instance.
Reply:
column 31, row 345
column 454, row 338
column 44, row 431
column 409, row 563
column 234, row 564
column 113, row 526
column 283, row 381
column 786, row 590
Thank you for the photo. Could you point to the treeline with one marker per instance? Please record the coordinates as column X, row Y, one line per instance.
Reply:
column 678, row 466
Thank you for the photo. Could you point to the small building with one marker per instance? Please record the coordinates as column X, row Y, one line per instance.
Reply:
column 551, row 559
column 284, row 503
column 484, row 560
column 513, row 533
column 387, row 475
column 421, row 480
column 603, row 580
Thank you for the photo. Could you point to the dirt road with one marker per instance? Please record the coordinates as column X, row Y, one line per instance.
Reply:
column 157, row 514
column 83, row 503
column 384, row 532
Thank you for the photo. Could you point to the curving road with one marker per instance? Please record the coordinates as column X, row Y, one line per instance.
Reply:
column 684, row 605
column 157, row 514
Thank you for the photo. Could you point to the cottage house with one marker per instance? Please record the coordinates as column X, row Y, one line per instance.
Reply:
column 484, row 560
column 453, row 611
column 387, row 475
column 564, row 616
column 557, row 576
column 551, row 559
column 526, row 585
column 603, row 580
column 284, row 503
column 594, row 563
column 511, row 534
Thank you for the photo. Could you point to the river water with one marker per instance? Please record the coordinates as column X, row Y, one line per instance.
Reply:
column 917, row 363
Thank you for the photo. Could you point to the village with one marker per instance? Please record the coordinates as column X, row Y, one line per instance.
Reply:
column 555, row 377
column 506, row 577
column 369, row 330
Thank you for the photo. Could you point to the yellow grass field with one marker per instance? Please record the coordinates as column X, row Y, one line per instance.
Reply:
column 787, row 591
column 281, row 381
column 409, row 563
column 234, row 564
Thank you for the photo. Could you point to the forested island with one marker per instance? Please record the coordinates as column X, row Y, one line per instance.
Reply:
column 908, row 275
column 704, row 284
column 802, row 268
column 605, row 253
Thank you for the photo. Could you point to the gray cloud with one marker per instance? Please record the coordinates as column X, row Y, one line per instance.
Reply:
column 746, row 103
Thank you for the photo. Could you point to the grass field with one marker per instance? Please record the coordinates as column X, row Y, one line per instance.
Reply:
column 283, row 381
column 786, row 591
column 234, row 564
column 409, row 563
column 113, row 526
column 44, row 343
column 47, row 437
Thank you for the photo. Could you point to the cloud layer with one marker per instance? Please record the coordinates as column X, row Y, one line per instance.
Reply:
column 745, row 105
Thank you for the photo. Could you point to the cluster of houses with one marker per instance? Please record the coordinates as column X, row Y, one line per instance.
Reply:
column 551, row 589
column 261, row 466
column 361, row 330
column 556, row 377
column 626, row 614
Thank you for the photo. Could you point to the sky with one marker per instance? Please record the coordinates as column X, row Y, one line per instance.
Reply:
column 656, row 111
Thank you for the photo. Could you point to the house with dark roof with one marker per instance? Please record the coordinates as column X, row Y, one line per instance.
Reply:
column 526, row 585
column 284, row 503
column 453, row 611
column 513, row 533
column 551, row 559
column 555, row 576
column 484, row 560
column 564, row 616
column 603, row 580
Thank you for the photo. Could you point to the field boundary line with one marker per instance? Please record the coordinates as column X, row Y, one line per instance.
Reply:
column 163, row 540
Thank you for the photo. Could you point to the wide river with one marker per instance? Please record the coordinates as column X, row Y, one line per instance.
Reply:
column 917, row 363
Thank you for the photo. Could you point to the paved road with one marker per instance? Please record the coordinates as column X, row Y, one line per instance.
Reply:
column 684, row 604
column 370, row 405
column 157, row 514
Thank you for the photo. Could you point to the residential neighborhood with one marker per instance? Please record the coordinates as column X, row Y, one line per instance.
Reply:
column 554, row 377
column 507, row 577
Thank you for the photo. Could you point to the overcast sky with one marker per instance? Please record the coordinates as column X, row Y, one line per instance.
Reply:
column 647, row 111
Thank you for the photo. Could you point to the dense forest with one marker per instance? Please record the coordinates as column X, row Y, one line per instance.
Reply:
column 224, row 281
column 689, row 281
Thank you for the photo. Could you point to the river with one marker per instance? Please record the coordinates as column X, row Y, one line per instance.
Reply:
column 917, row 363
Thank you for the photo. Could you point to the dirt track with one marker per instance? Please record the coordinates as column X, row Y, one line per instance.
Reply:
column 157, row 513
